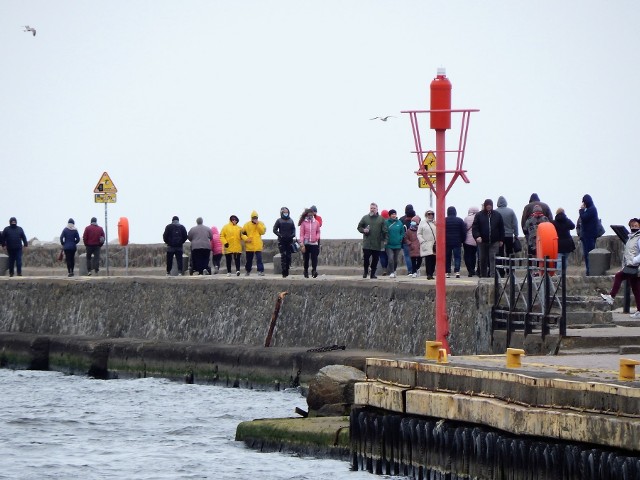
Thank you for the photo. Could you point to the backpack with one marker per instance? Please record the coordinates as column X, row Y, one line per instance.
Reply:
column 175, row 236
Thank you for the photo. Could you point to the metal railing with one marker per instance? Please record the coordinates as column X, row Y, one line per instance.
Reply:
column 529, row 295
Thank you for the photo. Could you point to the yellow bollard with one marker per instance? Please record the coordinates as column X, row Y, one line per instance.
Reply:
column 432, row 350
column 628, row 369
column 513, row 357
column 442, row 356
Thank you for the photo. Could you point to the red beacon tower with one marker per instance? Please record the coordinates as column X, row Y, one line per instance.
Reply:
column 436, row 178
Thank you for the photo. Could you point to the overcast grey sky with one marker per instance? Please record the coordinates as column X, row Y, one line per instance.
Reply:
column 212, row 108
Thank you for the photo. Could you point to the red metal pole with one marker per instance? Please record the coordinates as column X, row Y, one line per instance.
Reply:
column 442, row 320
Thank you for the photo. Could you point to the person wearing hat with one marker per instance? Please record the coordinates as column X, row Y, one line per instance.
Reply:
column 589, row 222
column 13, row 239
column 285, row 230
column 93, row 238
column 629, row 271
column 232, row 242
column 488, row 230
column 396, row 231
column 409, row 214
column 174, row 236
column 252, row 232
column 309, row 242
column 318, row 218
column 69, row 239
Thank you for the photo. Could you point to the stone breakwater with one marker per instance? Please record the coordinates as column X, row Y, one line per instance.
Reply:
column 214, row 328
column 357, row 314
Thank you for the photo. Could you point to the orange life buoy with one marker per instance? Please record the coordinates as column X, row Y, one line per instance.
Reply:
column 123, row 231
column 547, row 242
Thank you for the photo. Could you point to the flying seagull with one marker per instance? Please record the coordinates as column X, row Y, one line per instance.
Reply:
column 384, row 119
column 27, row 28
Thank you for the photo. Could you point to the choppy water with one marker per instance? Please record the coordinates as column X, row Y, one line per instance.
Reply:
column 58, row 426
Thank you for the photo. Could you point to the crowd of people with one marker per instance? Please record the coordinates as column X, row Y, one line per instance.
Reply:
column 208, row 245
column 480, row 237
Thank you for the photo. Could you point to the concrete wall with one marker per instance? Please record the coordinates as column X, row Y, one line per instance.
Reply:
column 392, row 317
column 333, row 252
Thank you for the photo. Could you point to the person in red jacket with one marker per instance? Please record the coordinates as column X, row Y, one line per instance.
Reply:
column 93, row 239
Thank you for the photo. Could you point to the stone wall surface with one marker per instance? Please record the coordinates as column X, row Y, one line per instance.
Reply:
column 333, row 253
column 392, row 317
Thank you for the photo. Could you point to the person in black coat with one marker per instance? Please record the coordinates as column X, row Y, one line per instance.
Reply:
column 456, row 232
column 13, row 238
column 564, row 225
column 488, row 230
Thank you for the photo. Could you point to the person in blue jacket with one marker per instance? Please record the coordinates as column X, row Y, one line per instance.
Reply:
column 13, row 238
column 395, row 237
column 69, row 239
column 456, row 233
column 589, row 227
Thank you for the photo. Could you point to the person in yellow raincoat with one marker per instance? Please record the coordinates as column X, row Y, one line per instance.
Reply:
column 252, row 236
column 232, row 242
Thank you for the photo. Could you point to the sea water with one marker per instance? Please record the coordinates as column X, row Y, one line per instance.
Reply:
column 60, row 426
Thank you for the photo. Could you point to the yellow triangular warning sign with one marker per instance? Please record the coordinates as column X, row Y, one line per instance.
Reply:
column 105, row 185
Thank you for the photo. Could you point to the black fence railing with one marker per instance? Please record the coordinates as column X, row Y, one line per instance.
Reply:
column 529, row 295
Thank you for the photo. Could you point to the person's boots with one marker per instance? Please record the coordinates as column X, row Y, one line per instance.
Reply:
column 306, row 273
column 314, row 273
column 366, row 273
column 373, row 273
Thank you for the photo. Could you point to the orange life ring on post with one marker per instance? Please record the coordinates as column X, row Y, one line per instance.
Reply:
column 123, row 231
column 547, row 243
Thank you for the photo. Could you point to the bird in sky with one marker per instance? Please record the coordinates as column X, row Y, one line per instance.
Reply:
column 384, row 119
column 27, row 28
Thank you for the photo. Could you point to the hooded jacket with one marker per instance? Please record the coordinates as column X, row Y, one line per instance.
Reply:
column 216, row 243
column 409, row 213
column 69, row 237
column 13, row 237
column 509, row 218
column 252, row 234
column 468, row 222
column 456, row 230
column 285, row 229
column 588, row 219
column 230, row 234
column 528, row 210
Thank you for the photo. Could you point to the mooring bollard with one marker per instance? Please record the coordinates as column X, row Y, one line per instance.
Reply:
column 513, row 357
column 628, row 369
column 432, row 350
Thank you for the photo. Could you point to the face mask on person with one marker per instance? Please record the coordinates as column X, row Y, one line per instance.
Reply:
column 634, row 230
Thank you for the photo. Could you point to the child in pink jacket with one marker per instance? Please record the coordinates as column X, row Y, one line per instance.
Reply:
column 216, row 249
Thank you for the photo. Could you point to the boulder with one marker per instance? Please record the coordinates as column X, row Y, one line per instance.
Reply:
column 331, row 390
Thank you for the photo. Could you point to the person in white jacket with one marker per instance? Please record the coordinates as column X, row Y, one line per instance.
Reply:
column 427, row 239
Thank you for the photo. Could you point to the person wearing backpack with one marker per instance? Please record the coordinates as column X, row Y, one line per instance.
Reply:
column 174, row 236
